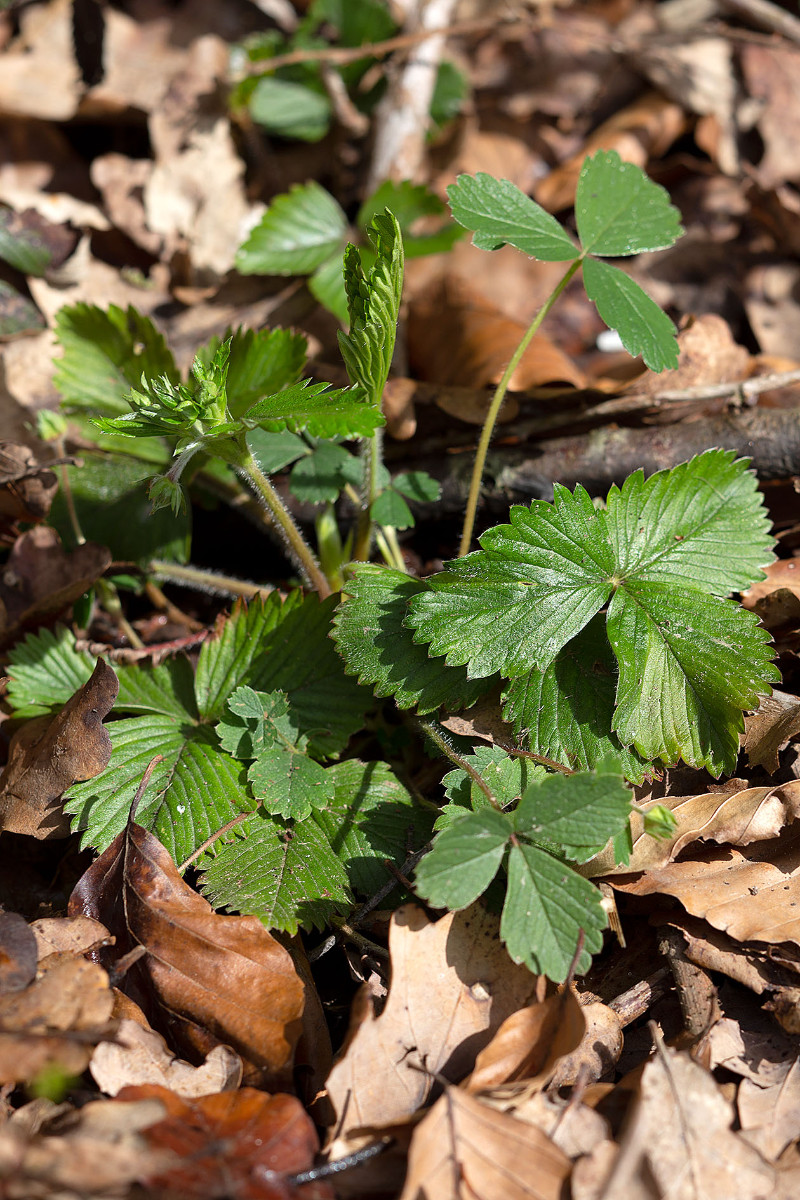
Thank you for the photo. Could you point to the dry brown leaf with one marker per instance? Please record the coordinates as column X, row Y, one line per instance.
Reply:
column 70, row 997
column 466, row 1150
column 680, row 1140
column 68, row 935
column 714, row 951
column 140, row 1055
column 40, row 579
column 752, row 895
column 752, row 1046
column 26, row 487
column 770, row 1116
column 530, row 1043
column 766, row 731
column 452, row 986
column 599, row 1049
column 708, row 354
column 643, row 130
column 784, row 573
column 738, row 818
column 218, row 978
column 18, row 956
column 49, row 754
column 97, row 1151
column 772, row 76
column 575, row 1128
column 770, row 300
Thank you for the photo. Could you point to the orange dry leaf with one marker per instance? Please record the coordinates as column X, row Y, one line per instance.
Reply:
column 529, row 1043
column 213, row 978
column 242, row 1145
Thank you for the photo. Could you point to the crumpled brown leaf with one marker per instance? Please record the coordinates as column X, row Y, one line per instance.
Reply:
column 49, row 754
column 138, row 1056
column 530, row 1042
column 209, row 978
column 26, row 487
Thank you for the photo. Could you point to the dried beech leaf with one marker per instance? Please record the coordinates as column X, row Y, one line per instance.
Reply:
column 212, row 978
column 49, row 754
column 68, row 935
column 465, row 1150
column 452, row 986
column 769, row 728
column 18, row 956
column 140, row 1055
column 26, row 487
column 530, row 1042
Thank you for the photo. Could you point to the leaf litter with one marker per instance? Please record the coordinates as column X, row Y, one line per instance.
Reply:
column 488, row 1080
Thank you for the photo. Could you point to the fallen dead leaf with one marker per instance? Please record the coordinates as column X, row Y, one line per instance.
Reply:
column 770, row 1116
column 49, row 754
column 766, row 731
column 529, row 1043
column 68, row 935
column 213, row 978
column 771, row 74
column 598, row 1051
column 26, row 487
column 708, row 354
column 140, row 1055
column 241, row 1145
column 784, row 573
column 466, row 1150
column 452, row 986
column 18, row 956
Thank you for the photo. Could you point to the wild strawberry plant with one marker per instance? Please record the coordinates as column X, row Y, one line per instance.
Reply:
column 608, row 627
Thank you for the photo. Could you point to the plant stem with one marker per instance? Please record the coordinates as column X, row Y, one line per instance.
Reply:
column 496, row 404
column 299, row 549
column 206, row 581
column 439, row 739
column 372, row 454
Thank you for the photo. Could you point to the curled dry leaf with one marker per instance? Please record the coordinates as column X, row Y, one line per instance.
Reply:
column 26, row 487
column 49, row 754
column 599, row 1049
column 18, row 955
column 738, row 819
column 783, row 574
column 466, row 1150
column 243, row 1145
column 68, row 935
column 211, row 978
column 40, row 579
column 530, row 1042
column 452, row 986
column 770, row 728
column 140, row 1055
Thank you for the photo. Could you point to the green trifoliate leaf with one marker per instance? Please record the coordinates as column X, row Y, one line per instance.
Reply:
column 642, row 326
column 507, row 776
column 499, row 213
column 417, row 485
column 619, row 211
column 547, row 906
column 289, row 783
column 316, row 409
column 371, row 636
column 298, row 233
column 290, row 110
column 565, row 712
column 374, row 303
column 321, row 475
column 579, row 813
column 514, row 604
column 464, row 860
column 391, row 509
column 690, row 664
column 289, row 876
column 255, row 721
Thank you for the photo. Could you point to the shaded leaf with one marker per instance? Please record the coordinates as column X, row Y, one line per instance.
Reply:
column 316, row 409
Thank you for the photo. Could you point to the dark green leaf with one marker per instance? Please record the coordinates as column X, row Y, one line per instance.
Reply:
column 45, row 670
column 261, row 362
column 464, row 860
column 580, row 813
column 499, row 214
column 21, row 245
column 18, row 313
column 321, row 475
column 391, row 509
column 417, row 485
column 327, row 286
column 274, row 451
column 318, row 410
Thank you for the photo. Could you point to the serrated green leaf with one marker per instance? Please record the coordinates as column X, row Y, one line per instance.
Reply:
column 316, row 409
column 300, row 231
column 287, row 876
column 256, row 721
column 514, row 604
column 689, row 665
column 326, row 285
column 499, row 213
column 260, row 362
column 565, row 712
column 289, row 783
column 44, row 671
column 464, row 860
column 111, row 499
column 580, row 812
column 274, row 451
column 507, row 776
column 320, row 476
column 389, row 508
column 373, row 298
column 290, row 110
column 371, row 636
column 196, row 790
column 417, row 485
column 547, row 906
column 619, row 211
column 700, row 524
column 105, row 354
column 371, row 818
column 643, row 327
column 167, row 689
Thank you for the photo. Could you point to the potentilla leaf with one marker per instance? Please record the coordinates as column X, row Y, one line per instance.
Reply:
column 464, row 860
column 288, row 782
column 391, row 509
column 690, row 664
column 535, row 584
column 316, row 409
column 298, row 233
column 620, row 211
column 499, row 213
column 580, row 813
column 701, row 524
column 322, row 474
column 261, row 362
column 547, row 906
column 373, row 298
column 565, row 712
column 507, row 776
column 289, row 876
column 376, row 646
column 643, row 327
